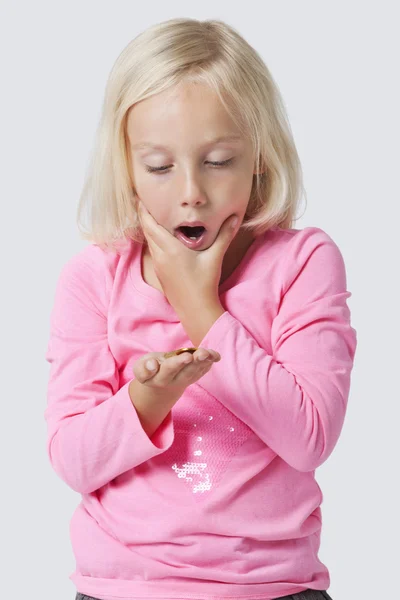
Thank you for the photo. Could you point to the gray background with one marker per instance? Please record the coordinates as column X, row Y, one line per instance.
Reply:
column 337, row 66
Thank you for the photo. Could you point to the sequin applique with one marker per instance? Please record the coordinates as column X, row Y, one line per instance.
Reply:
column 207, row 436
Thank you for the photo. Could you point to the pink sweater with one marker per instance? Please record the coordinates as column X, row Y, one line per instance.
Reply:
column 222, row 500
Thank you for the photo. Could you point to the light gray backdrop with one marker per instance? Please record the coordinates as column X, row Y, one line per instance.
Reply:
column 337, row 66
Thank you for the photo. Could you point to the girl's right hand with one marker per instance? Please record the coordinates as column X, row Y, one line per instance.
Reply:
column 175, row 373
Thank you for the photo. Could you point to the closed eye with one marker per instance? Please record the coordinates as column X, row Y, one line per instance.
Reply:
column 164, row 169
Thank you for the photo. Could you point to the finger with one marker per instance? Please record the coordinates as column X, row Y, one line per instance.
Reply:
column 207, row 353
column 175, row 362
column 144, row 219
column 171, row 367
column 150, row 224
column 215, row 354
column 201, row 354
column 142, row 369
column 193, row 371
column 225, row 236
column 160, row 236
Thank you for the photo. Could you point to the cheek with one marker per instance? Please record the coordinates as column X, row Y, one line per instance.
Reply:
column 239, row 186
column 238, row 195
column 145, row 183
column 244, row 192
column 149, row 194
column 144, row 186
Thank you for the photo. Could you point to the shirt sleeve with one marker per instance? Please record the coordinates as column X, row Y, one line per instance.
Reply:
column 295, row 398
column 94, row 432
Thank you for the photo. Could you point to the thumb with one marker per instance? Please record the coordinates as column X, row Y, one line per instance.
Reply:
column 232, row 222
column 227, row 233
column 141, row 368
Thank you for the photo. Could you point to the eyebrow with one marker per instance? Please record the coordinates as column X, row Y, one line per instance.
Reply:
column 217, row 140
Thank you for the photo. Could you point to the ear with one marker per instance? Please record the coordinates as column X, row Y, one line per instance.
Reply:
column 261, row 170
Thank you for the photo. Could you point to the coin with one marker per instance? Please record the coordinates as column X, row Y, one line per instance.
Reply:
column 179, row 351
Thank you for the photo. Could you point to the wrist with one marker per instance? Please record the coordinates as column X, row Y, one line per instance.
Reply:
column 152, row 405
column 152, row 396
column 199, row 318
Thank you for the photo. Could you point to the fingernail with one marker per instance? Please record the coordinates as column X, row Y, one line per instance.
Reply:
column 234, row 222
column 203, row 357
column 151, row 365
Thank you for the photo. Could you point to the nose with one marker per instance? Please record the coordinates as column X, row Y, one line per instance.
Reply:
column 193, row 193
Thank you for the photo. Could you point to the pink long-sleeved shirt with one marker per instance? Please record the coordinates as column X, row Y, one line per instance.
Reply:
column 222, row 500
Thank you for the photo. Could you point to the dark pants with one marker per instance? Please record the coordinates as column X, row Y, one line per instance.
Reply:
column 306, row 595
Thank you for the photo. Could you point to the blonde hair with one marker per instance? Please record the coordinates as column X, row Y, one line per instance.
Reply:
column 164, row 55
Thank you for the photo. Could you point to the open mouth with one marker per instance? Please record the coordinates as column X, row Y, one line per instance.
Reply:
column 192, row 237
column 192, row 233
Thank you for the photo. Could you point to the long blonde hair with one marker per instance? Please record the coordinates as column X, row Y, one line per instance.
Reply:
column 164, row 55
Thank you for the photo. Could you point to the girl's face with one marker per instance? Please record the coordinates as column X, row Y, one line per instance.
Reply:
column 174, row 137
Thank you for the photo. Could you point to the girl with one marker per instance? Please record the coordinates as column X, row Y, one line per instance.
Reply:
column 200, row 346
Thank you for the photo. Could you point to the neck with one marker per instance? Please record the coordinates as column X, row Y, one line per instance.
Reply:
column 236, row 251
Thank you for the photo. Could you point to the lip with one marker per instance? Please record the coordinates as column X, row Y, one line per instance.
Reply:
column 192, row 244
column 191, row 224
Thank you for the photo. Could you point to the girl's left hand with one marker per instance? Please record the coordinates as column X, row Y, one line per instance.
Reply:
column 186, row 276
